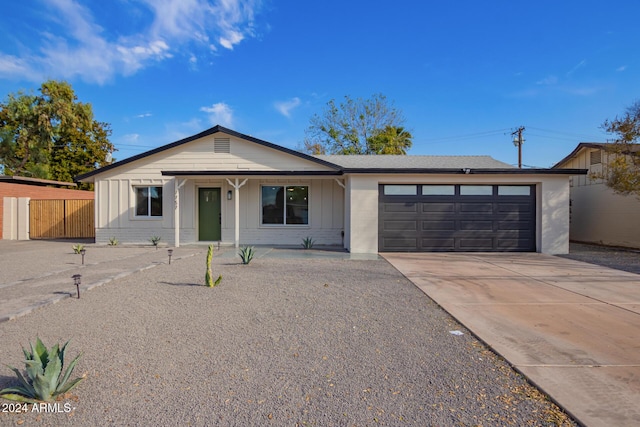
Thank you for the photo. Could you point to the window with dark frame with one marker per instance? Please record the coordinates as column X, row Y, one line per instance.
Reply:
column 148, row 201
column 285, row 205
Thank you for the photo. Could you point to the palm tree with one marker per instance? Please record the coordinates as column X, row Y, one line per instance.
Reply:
column 392, row 140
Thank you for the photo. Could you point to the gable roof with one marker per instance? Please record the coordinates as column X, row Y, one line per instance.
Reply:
column 576, row 150
column 585, row 145
column 210, row 131
column 414, row 162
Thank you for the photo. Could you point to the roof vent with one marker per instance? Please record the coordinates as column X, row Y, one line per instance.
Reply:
column 222, row 145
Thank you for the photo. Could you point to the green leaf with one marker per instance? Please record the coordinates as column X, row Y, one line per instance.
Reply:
column 17, row 397
column 68, row 372
column 69, row 386
column 24, row 382
column 52, row 371
column 41, row 353
column 33, row 368
column 41, row 386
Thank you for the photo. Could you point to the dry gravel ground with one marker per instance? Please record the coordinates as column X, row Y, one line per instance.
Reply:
column 619, row 258
column 281, row 342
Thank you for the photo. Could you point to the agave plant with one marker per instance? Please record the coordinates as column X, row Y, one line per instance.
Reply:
column 308, row 242
column 155, row 240
column 113, row 241
column 45, row 380
column 77, row 248
column 246, row 254
column 208, row 278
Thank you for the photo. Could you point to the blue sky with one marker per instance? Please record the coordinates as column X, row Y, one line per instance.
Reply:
column 465, row 74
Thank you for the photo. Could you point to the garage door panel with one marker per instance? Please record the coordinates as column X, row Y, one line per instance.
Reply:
column 438, row 207
column 400, row 225
column 476, row 208
column 439, row 244
column 514, row 216
column 476, row 225
column 400, row 207
column 514, row 225
column 514, row 244
column 475, row 244
column 400, row 243
column 445, row 224
column 514, row 207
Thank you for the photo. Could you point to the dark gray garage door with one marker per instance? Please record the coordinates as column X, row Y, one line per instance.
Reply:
column 427, row 218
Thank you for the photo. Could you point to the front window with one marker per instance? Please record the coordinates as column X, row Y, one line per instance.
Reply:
column 148, row 201
column 285, row 205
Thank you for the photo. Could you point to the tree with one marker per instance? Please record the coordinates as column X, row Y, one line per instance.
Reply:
column 51, row 135
column 369, row 126
column 622, row 169
column 391, row 140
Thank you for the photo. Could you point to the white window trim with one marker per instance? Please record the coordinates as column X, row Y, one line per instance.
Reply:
column 135, row 201
column 287, row 226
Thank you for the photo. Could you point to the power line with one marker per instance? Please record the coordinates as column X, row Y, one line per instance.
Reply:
column 466, row 136
column 568, row 134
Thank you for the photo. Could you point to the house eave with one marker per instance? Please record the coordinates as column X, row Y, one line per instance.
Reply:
column 240, row 173
column 466, row 171
column 35, row 181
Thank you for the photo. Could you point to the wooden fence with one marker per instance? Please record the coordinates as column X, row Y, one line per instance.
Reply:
column 57, row 219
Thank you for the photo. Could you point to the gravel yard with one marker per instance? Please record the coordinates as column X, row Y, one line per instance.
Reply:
column 618, row 258
column 282, row 342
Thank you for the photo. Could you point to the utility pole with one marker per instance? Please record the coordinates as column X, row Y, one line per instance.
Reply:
column 518, row 141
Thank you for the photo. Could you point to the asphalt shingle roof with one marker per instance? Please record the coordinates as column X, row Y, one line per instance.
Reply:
column 414, row 162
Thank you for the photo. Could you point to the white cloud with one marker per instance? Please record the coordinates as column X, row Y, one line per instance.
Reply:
column 578, row 66
column 621, row 68
column 230, row 39
column 143, row 115
column 549, row 80
column 131, row 138
column 219, row 114
column 76, row 46
column 285, row 107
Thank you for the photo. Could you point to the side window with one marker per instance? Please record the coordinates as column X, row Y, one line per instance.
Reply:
column 148, row 201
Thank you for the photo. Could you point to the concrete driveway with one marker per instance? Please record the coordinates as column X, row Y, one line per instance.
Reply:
column 572, row 328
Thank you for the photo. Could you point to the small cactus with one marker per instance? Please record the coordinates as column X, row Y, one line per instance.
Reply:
column 155, row 240
column 208, row 277
column 246, row 254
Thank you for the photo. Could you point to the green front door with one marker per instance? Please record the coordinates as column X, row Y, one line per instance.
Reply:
column 209, row 214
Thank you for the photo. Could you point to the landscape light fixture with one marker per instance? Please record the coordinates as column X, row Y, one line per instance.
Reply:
column 170, row 251
column 82, row 252
column 229, row 195
column 76, row 281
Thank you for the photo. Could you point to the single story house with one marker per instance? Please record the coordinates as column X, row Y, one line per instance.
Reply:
column 223, row 186
column 598, row 215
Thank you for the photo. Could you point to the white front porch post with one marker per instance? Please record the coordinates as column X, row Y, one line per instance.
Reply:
column 176, row 213
column 236, row 187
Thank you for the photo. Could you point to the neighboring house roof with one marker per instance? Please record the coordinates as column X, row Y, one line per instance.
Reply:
column 35, row 181
column 579, row 148
column 342, row 164
column 585, row 145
